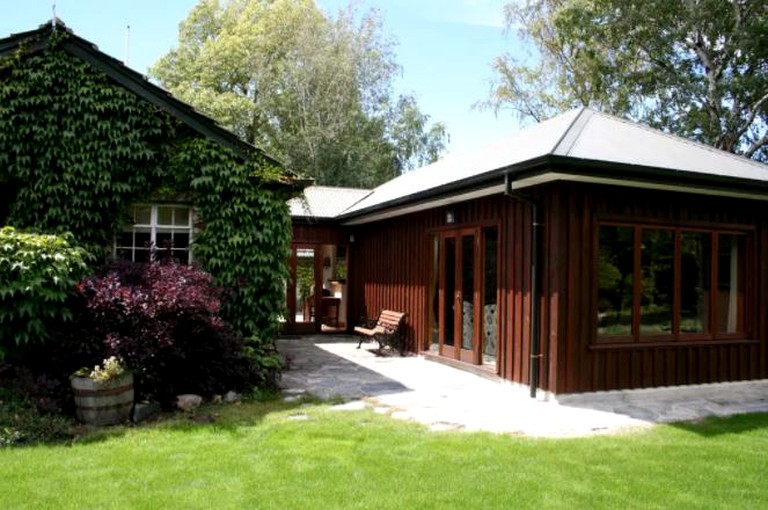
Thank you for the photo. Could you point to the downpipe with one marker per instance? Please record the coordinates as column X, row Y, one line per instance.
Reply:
column 536, row 228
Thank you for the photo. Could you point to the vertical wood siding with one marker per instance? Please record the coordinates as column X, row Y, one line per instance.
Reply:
column 390, row 265
column 577, row 364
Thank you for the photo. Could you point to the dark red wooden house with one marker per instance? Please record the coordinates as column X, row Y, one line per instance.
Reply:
column 585, row 253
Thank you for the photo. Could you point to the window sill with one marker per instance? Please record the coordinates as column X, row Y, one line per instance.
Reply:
column 670, row 344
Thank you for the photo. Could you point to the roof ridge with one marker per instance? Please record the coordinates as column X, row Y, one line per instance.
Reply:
column 346, row 188
column 370, row 192
column 572, row 132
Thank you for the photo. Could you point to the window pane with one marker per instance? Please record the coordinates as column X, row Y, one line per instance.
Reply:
column 142, row 238
column 695, row 282
column 181, row 217
column 435, row 291
column 730, row 283
column 164, row 240
column 142, row 215
column 181, row 256
column 449, row 291
column 467, row 291
column 490, row 322
column 657, row 263
column 616, row 265
column 126, row 239
column 141, row 255
column 164, row 215
column 124, row 254
column 181, row 239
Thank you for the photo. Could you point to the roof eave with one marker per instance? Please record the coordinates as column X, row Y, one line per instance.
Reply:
column 565, row 167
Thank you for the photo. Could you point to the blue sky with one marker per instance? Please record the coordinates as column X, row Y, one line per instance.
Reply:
column 444, row 46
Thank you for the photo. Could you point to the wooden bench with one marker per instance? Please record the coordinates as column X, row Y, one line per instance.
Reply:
column 388, row 331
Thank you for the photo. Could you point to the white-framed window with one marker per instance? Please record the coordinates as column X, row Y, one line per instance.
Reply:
column 157, row 230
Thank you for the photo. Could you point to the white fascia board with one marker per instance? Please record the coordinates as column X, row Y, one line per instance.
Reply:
column 627, row 183
column 428, row 204
column 543, row 179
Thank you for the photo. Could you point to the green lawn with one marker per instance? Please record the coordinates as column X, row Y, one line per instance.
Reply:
column 276, row 456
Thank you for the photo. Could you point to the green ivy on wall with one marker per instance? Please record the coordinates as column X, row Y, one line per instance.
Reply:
column 79, row 148
column 245, row 237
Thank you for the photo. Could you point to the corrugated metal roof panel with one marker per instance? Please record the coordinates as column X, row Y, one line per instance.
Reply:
column 607, row 138
column 325, row 202
column 530, row 143
column 578, row 134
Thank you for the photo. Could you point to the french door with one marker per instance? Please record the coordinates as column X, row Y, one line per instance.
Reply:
column 467, row 324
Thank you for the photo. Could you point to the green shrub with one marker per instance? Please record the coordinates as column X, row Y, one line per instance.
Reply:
column 38, row 273
column 76, row 150
column 22, row 423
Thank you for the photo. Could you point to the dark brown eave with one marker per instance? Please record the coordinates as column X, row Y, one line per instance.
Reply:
column 34, row 41
column 554, row 167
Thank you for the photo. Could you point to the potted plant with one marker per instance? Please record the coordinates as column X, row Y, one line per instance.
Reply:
column 104, row 395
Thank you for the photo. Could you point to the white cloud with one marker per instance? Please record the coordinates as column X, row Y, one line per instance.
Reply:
column 488, row 13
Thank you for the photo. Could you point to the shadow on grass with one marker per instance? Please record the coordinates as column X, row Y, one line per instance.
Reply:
column 713, row 426
column 315, row 375
column 226, row 418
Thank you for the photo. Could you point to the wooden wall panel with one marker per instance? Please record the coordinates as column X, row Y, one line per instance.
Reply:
column 579, row 365
column 391, row 267
column 318, row 233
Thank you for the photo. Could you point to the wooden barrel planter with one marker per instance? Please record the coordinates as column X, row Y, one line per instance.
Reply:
column 103, row 403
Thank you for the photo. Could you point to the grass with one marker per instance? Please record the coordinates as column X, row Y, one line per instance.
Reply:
column 278, row 455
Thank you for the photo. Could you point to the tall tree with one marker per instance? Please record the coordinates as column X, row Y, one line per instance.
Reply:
column 311, row 89
column 696, row 68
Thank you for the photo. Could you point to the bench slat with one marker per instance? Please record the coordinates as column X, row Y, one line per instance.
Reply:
column 387, row 329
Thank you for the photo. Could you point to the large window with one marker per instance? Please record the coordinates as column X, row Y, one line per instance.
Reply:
column 155, row 231
column 657, row 283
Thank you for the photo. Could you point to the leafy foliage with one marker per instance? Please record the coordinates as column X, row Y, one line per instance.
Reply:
column 245, row 238
column 37, row 275
column 162, row 320
column 315, row 90
column 76, row 150
column 696, row 69
column 22, row 423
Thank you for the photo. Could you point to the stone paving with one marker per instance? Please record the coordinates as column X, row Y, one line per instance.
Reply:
column 445, row 398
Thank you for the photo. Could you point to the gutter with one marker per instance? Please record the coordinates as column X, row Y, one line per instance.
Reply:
column 536, row 256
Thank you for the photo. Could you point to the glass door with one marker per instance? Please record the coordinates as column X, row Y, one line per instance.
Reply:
column 467, row 295
column 459, row 296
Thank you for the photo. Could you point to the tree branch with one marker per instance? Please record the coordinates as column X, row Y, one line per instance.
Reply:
column 759, row 143
column 755, row 109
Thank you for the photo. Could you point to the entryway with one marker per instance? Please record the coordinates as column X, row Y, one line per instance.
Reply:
column 467, row 294
column 316, row 291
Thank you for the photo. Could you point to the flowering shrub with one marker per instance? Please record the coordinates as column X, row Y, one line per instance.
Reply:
column 110, row 369
column 162, row 320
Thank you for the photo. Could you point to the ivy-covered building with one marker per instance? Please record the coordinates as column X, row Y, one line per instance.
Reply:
column 89, row 146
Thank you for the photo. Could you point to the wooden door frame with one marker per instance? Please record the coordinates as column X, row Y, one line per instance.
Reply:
column 456, row 351
column 307, row 326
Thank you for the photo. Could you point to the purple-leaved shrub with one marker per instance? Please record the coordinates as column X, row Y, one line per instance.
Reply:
column 162, row 319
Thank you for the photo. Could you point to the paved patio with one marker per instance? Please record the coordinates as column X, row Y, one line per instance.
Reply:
column 445, row 398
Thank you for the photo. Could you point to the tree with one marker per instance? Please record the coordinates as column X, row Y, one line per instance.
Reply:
column 695, row 68
column 313, row 90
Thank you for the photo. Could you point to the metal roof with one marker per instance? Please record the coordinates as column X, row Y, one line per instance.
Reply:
column 594, row 145
column 324, row 202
